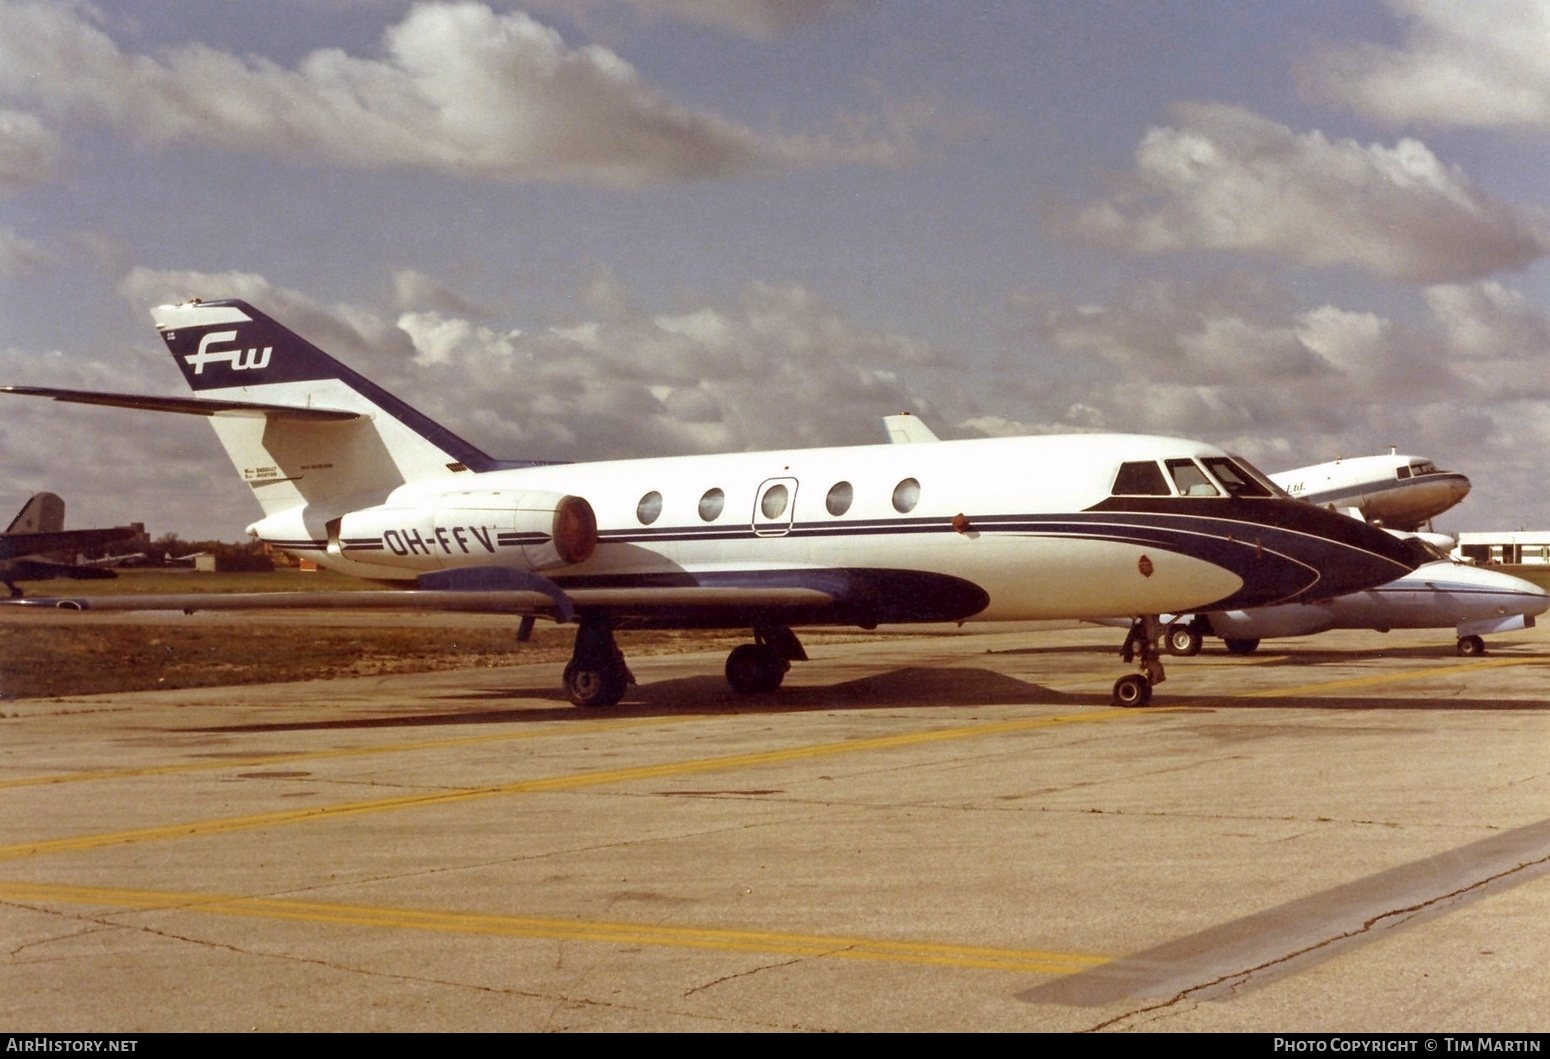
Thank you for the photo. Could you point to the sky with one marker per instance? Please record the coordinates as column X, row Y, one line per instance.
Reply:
column 577, row 229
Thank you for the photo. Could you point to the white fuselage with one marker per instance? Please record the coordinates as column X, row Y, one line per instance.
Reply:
column 1439, row 595
column 997, row 484
column 1400, row 492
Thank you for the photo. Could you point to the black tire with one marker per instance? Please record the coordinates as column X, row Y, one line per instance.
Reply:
column 1134, row 690
column 753, row 669
column 595, row 687
column 1242, row 647
column 1184, row 639
column 1471, row 646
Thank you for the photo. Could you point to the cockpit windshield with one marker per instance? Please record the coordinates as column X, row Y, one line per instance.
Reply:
column 1242, row 478
column 1210, row 476
column 1190, row 479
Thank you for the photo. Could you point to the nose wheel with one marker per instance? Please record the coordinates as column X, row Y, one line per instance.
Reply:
column 1144, row 647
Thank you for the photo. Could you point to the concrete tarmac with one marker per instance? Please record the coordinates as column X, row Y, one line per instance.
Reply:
column 939, row 830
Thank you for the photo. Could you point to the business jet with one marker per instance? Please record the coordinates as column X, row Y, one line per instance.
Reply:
column 30, row 544
column 1472, row 600
column 993, row 529
column 1394, row 491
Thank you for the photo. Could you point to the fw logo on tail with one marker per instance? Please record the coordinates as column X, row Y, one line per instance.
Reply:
column 239, row 359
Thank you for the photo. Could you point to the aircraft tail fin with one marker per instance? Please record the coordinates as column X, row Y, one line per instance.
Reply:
column 231, row 352
column 42, row 513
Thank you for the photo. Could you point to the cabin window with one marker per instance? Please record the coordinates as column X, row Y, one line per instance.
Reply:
column 650, row 508
column 1190, row 479
column 839, row 499
column 711, row 504
column 906, row 495
column 1142, row 478
column 774, row 503
column 1236, row 480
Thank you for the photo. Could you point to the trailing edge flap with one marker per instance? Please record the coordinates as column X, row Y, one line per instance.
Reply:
column 199, row 406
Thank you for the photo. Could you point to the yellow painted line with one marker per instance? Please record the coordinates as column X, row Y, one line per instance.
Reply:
column 614, row 933
column 220, row 764
column 575, row 781
column 1391, row 678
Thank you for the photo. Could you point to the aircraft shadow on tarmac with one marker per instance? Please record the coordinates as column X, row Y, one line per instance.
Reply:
column 709, row 695
column 907, row 687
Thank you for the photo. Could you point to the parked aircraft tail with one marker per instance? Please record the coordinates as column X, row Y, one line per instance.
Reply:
column 308, row 430
column 42, row 513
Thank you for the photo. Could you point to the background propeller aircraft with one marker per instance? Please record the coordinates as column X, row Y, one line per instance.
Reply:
column 32, row 546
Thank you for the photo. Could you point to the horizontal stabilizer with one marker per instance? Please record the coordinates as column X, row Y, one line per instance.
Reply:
column 198, row 406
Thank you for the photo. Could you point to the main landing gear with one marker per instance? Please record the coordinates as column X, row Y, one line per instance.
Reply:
column 1143, row 646
column 759, row 667
column 1471, row 646
column 596, row 675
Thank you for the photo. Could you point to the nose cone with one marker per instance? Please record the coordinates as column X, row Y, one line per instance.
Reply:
column 1491, row 591
column 1298, row 552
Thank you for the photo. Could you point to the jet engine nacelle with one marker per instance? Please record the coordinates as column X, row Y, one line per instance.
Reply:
column 525, row 529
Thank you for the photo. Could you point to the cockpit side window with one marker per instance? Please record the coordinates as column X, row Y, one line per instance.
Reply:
column 1270, row 487
column 1402, row 473
column 1141, row 478
column 1190, row 479
column 1235, row 479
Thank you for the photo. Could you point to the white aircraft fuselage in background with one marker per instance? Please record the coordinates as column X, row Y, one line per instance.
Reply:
column 1473, row 601
column 1394, row 491
column 994, row 529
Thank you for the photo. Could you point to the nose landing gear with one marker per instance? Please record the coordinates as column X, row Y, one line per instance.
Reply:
column 1143, row 645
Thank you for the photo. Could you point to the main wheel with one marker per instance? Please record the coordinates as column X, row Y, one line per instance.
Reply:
column 1184, row 639
column 1471, row 646
column 1134, row 690
column 753, row 669
column 1242, row 647
column 594, row 686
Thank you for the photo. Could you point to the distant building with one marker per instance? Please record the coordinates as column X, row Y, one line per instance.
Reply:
column 1511, row 547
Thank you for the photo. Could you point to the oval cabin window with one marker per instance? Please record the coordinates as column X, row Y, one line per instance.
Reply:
column 774, row 503
column 711, row 504
column 839, row 498
column 906, row 495
column 650, row 508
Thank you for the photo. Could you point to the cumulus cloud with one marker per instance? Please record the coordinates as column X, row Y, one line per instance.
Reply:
column 414, row 290
column 20, row 256
column 1232, row 363
column 459, row 89
column 776, row 369
column 1223, row 178
column 1482, row 64
column 29, row 153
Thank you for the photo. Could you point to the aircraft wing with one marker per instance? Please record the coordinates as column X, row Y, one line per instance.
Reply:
column 492, row 591
column 43, row 570
column 64, row 540
column 199, row 406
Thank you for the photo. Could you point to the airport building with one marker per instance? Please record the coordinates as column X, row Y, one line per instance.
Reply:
column 1531, row 547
